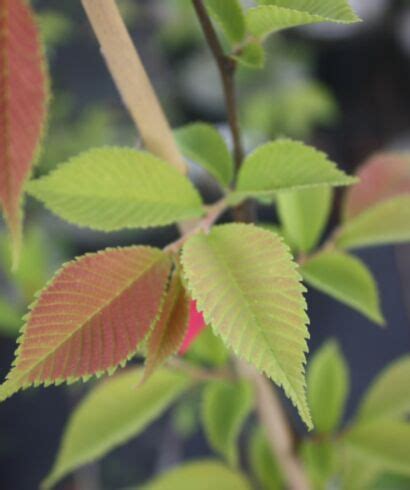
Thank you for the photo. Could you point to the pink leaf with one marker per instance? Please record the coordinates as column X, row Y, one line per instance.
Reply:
column 196, row 325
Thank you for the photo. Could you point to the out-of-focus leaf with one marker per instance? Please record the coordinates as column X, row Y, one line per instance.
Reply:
column 208, row 349
column 200, row 475
column 10, row 319
column 319, row 458
column 327, row 387
column 229, row 14
column 389, row 394
column 111, row 414
column 347, row 279
column 263, row 464
column 225, row 408
column 304, row 214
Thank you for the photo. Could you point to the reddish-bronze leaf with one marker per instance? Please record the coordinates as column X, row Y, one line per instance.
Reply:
column 23, row 95
column 91, row 317
column 382, row 177
column 169, row 332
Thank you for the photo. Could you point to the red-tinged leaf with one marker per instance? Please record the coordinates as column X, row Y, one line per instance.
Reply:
column 169, row 332
column 196, row 325
column 91, row 317
column 382, row 177
column 23, row 96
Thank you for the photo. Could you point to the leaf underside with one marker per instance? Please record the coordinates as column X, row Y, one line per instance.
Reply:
column 111, row 414
column 275, row 15
column 245, row 283
column 23, row 101
column 285, row 165
column 113, row 188
column 90, row 318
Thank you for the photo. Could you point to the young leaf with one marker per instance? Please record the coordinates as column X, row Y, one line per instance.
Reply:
column 382, row 177
column 327, row 387
column 385, row 223
column 319, row 458
column 170, row 330
column 90, row 318
column 347, row 279
column 389, row 394
column 111, row 414
column 384, row 442
column 304, row 215
column 275, row 15
column 200, row 475
column 23, row 102
column 252, row 55
column 264, row 467
column 112, row 188
column 245, row 283
column 285, row 165
column 230, row 16
column 225, row 408
column 203, row 144
column 195, row 327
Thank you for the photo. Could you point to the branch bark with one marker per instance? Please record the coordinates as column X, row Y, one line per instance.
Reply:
column 132, row 81
column 226, row 67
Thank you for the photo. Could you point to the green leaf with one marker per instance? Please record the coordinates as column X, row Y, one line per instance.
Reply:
column 385, row 223
column 263, row 465
column 230, row 16
column 225, row 408
column 200, row 475
column 112, row 188
column 383, row 442
column 114, row 412
column 389, row 394
column 10, row 319
column 203, row 144
column 347, row 279
column 327, row 387
column 285, row 165
column 319, row 458
column 304, row 215
column 252, row 55
column 245, row 283
column 275, row 15
column 208, row 349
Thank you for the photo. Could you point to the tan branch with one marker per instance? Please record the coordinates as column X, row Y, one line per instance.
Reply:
column 132, row 81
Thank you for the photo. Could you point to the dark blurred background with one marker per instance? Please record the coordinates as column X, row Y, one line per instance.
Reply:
column 344, row 89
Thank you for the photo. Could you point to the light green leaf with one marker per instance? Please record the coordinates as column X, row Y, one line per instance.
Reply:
column 114, row 412
column 263, row 465
column 10, row 319
column 327, row 387
column 389, row 394
column 356, row 472
column 245, row 283
column 385, row 223
column 275, row 15
column 383, row 442
column 230, row 16
column 319, row 458
column 304, row 215
column 252, row 55
column 347, row 279
column 203, row 144
column 285, row 165
column 200, row 475
column 225, row 408
column 112, row 188
column 208, row 349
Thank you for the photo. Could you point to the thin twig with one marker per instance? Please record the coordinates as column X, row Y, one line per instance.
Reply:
column 227, row 68
column 132, row 81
